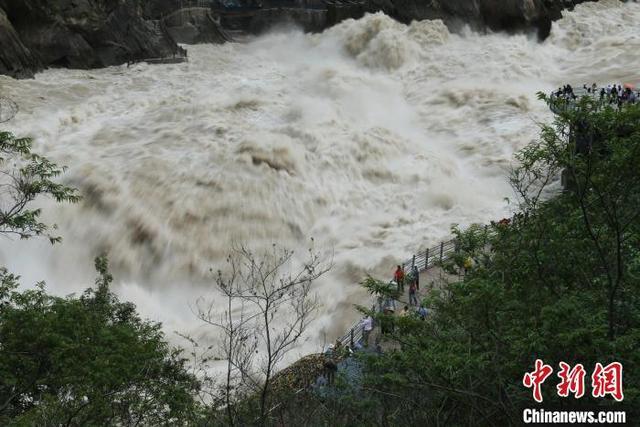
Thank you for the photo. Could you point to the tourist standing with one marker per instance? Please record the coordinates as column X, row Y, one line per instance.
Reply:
column 422, row 312
column 415, row 276
column 367, row 327
column 413, row 298
column 399, row 278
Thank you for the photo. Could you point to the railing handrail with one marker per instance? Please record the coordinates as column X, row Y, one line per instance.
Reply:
column 560, row 103
column 425, row 260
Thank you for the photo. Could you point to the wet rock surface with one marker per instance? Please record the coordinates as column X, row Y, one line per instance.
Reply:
column 195, row 25
column 15, row 59
column 77, row 34
column 495, row 15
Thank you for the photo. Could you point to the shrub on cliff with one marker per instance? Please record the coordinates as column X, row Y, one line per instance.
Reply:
column 88, row 360
column 25, row 176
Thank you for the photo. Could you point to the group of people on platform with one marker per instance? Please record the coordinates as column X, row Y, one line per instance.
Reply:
column 386, row 305
column 412, row 279
column 613, row 94
column 401, row 279
column 565, row 92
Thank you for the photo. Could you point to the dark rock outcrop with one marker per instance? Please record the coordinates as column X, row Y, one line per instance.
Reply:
column 96, row 33
column 316, row 15
column 77, row 34
column 496, row 15
column 15, row 59
column 338, row 11
column 195, row 25
column 159, row 9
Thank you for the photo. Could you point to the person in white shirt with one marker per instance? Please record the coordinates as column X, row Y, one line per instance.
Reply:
column 367, row 327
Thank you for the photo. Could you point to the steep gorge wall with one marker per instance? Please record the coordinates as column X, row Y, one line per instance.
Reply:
column 76, row 34
column 496, row 15
column 15, row 59
column 95, row 33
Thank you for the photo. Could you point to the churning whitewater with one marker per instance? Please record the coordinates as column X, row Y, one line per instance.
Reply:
column 372, row 137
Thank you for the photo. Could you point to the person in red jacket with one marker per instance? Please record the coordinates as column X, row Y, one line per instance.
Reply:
column 399, row 278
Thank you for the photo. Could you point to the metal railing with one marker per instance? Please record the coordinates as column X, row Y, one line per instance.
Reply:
column 560, row 104
column 353, row 335
column 428, row 258
column 424, row 260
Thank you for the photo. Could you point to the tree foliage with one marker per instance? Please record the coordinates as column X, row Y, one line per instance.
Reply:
column 89, row 360
column 24, row 176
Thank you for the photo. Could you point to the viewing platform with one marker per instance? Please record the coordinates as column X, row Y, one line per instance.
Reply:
column 623, row 94
column 581, row 134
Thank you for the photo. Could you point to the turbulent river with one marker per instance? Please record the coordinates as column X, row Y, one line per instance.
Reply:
column 372, row 137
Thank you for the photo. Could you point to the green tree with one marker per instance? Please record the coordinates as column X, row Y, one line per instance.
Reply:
column 24, row 176
column 87, row 361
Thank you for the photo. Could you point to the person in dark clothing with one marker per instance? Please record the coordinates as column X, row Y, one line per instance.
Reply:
column 415, row 276
column 413, row 298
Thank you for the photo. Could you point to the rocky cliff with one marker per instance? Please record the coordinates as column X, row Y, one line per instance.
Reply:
column 15, row 59
column 496, row 15
column 78, row 34
column 97, row 33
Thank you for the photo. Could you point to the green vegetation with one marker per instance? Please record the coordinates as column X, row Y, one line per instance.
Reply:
column 86, row 361
column 24, row 176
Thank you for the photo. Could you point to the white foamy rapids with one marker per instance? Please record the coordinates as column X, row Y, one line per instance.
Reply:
column 372, row 137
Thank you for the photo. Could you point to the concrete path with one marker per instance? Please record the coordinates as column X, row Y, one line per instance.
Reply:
column 433, row 278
